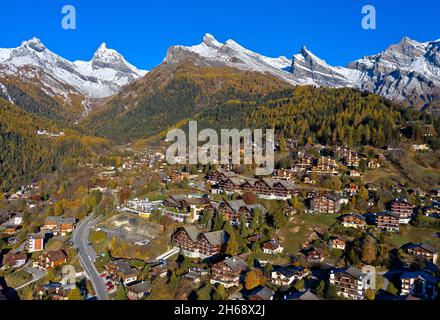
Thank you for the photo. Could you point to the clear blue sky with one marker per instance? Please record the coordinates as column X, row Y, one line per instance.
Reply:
column 143, row 30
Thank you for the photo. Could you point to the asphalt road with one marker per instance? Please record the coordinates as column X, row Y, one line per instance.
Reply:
column 87, row 256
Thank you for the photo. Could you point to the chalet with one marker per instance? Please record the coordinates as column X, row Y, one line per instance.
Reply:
column 51, row 259
column 285, row 276
column 337, row 243
column 352, row 160
column 195, row 274
column 424, row 250
column 374, row 187
column 122, row 270
column 431, row 211
column 435, row 193
column 308, row 180
column 350, row 282
column 302, row 296
column 353, row 220
column 55, row 291
column 284, row 174
column 355, row 174
column 352, row 189
column 315, row 255
column 178, row 176
column 139, row 290
column 420, row 147
column 343, row 151
column 215, row 177
column 196, row 243
column 228, row 272
column 327, row 203
column 9, row 229
column 184, row 202
column 14, row 260
column 326, row 166
column 160, row 270
column 403, row 210
column 235, row 210
column 190, row 207
column 59, row 225
column 373, row 164
column 232, row 185
column 35, row 242
column 261, row 294
column 11, row 226
column 272, row 247
column 266, row 188
column 273, row 189
column 387, row 222
column 129, row 275
column 254, row 238
column 304, row 162
column 419, row 284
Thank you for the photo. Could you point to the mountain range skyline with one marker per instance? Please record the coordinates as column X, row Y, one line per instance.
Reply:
column 334, row 31
column 406, row 71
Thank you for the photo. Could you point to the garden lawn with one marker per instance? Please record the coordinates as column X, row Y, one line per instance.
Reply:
column 294, row 234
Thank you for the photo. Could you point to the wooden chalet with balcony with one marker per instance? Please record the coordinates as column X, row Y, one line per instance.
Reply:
column 350, row 283
column 228, row 272
column 196, row 243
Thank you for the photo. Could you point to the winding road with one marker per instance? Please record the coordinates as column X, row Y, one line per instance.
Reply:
column 87, row 256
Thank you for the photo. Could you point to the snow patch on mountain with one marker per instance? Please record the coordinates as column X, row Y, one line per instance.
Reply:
column 5, row 93
column 101, row 77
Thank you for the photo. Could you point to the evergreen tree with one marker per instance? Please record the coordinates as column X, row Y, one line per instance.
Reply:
column 232, row 246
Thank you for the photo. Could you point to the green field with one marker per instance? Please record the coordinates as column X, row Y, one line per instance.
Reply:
column 296, row 233
column 18, row 278
column 415, row 235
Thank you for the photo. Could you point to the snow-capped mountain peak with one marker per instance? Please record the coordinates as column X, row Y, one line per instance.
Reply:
column 34, row 44
column 101, row 77
column 211, row 52
column 104, row 53
column 210, row 41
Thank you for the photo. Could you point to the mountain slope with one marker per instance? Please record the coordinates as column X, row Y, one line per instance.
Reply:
column 24, row 154
column 408, row 72
column 172, row 93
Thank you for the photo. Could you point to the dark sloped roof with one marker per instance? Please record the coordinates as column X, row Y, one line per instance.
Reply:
column 420, row 274
column 352, row 271
column 289, row 271
column 428, row 247
column 236, row 205
column 235, row 263
column 192, row 232
column 216, row 237
column 358, row 216
column 140, row 287
column 263, row 293
column 425, row 246
column 304, row 296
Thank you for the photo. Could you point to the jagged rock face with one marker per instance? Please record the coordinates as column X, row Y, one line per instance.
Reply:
column 408, row 71
column 312, row 70
column 110, row 59
column 101, row 77
column 213, row 53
